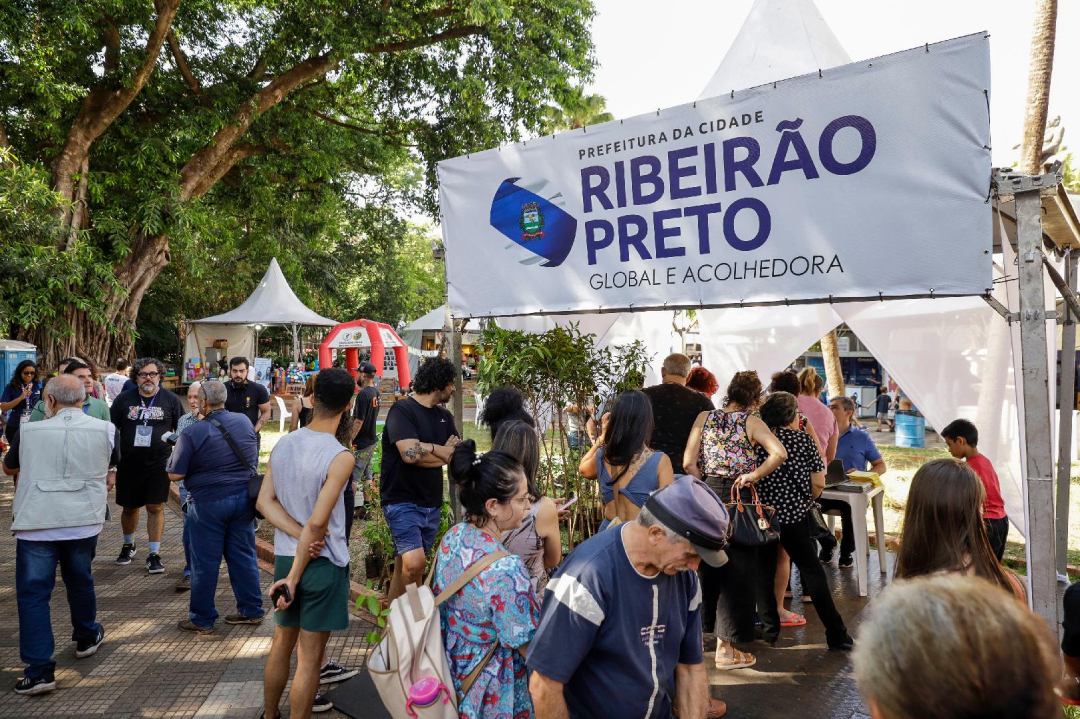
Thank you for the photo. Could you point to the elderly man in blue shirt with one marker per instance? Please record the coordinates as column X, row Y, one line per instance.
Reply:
column 856, row 449
column 219, row 512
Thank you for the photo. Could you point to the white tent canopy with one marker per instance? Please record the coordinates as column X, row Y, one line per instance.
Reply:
column 272, row 303
column 436, row 320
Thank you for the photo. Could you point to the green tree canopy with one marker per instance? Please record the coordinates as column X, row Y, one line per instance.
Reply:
column 211, row 135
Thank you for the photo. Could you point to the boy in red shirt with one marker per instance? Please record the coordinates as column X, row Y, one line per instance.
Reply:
column 963, row 438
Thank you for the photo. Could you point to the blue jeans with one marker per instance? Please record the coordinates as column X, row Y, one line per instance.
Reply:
column 185, row 538
column 412, row 526
column 223, row 527
column 35, row 577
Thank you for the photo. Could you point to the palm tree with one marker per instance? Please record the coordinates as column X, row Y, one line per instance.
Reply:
column 575, row 112
column 1039, row 69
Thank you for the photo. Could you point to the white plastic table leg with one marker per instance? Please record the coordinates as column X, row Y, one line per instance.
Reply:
column 879, row 531
column 862, row 540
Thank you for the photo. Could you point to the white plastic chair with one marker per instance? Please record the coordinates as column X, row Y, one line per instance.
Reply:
column 284, row 414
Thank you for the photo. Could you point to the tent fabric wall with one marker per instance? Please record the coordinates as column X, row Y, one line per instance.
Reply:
column 240, row 337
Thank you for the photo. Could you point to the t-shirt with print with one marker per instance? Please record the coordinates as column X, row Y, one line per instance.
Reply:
column 25, row 406
column 994, row 506
column 366, row 409
column 246, row 400
column 114, row 385
column 613, row 636
column 407, row 483
column 788, row 487
column 129, row 411
column 675, row 408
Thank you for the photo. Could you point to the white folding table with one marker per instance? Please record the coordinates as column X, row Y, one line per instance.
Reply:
column 860, row 502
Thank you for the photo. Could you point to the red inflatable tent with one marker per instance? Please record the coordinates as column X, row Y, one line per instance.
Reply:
column 351, row 336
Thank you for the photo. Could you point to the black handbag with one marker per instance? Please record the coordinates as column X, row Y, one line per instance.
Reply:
column 819, row 528
column 750, row 524
column 254, row 483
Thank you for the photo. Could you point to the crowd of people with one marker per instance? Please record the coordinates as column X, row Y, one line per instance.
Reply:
column 706, row 507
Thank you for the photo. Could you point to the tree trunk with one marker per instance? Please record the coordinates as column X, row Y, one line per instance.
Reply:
column 106, row 342
column 1040, row 65
column 834, row 376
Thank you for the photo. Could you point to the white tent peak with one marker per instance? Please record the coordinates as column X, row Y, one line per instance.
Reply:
column 272, row 303
column 435, row 320
column 780, row 39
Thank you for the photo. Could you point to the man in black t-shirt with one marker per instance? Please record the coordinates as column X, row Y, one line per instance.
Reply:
column 144, row 416
column 675, row 407
column 248, row 398
column 418, row 440
column 366, row 415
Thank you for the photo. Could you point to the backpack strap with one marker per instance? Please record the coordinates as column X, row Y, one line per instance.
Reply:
column 232, row 445
column 470, row 574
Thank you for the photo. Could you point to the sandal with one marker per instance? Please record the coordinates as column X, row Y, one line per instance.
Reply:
column 738, row 660
column 796, row 620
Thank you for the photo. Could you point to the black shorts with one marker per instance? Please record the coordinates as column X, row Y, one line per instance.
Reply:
column 138, row 486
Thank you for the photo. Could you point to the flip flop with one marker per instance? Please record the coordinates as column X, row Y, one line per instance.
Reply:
column 797, row 620
column 739, row 660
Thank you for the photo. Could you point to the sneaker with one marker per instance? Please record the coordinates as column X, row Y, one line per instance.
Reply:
column 826, row 555
column 241, row 619
column 184, row 584
column 127, row 552
column 334, row 672
column 185, row 625
column 154, row 565
column 87, row 647
column 321, row 704
column 35, row 686
column 846, row 560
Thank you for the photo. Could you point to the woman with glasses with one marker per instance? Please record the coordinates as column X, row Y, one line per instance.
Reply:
column 628, row 470
column 488, row 623
column 723, row 451
column 20, row 396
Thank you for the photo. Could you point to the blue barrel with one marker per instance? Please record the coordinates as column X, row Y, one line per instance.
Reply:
column 910, row 430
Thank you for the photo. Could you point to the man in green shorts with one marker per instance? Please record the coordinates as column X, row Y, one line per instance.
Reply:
column 302, row 497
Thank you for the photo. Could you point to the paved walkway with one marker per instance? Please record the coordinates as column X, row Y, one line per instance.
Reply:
column 146, row 667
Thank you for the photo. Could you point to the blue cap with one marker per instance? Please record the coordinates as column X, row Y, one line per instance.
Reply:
column 690, row 509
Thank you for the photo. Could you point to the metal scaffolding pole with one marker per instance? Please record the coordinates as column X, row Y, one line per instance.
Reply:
column 1038, row 457
column 1066, row 402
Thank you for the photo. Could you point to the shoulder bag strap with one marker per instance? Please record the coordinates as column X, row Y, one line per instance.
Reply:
column 467, row 576
column 232, row 444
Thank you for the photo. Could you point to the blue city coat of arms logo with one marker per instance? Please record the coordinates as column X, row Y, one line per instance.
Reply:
column 533, row 221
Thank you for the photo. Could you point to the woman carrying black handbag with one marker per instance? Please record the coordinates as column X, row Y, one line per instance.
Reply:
column 791, row 489
column 723, row 451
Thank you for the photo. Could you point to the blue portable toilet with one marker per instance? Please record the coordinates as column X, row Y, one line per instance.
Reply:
column 12, row 352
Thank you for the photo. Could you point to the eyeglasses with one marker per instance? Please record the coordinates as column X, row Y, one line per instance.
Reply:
column 523, row 499
column 147, row 375
column 29, row 372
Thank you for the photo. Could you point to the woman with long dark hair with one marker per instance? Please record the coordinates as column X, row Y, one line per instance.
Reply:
column 20, row 395
column 488, row 624
column 621, row 459
column 943, row 528
column 537, row 540
column 303, row 405
column 723, row 451
column 505, row 404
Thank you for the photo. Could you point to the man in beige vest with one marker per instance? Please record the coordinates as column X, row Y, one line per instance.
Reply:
column 65, row 472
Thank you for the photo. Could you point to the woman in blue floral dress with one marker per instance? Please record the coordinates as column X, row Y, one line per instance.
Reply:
column 498, row 609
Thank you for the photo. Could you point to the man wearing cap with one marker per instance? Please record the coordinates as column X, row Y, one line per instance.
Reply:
column 366, row 414
column 620, row 627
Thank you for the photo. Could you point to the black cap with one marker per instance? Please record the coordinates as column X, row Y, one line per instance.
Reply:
column 367, row 368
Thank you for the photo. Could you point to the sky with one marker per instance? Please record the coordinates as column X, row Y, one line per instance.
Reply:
column 656, row 54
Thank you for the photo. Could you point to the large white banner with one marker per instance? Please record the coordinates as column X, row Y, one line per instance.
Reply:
column 865, row 181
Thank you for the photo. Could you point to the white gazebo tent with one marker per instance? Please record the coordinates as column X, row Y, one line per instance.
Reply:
column 271, row 303
column 432, row 322
column 955, row 357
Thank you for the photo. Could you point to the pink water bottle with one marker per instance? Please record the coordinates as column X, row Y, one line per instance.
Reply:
column 425, row 693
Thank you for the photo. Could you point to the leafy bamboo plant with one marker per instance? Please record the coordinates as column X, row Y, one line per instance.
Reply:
column 553, row 370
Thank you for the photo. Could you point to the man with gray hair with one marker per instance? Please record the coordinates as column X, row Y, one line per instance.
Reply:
column 620, row 626
column 65, row 465
column 215, row 458
column 675, row 408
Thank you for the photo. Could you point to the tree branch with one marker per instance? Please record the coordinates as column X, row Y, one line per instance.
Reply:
column 105, row 102
column 453, row 33
column 110, row 36
column 226, row 163
column 182, row 64
column 205, row 163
